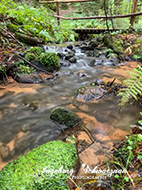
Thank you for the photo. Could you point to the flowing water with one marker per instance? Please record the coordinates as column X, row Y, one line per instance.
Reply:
column 25, row 108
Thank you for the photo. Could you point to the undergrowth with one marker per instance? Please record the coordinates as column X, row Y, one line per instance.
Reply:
column 134, row 86
column 37, row 22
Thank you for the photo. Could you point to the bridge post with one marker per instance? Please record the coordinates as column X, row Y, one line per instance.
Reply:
column 57, row 10
column 133, row 11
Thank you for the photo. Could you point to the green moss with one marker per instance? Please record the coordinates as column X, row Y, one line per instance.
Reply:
column 30, row 56
column 114, row 43
column 65, row 117
column 35, row 50
column 32, row 171
column 50, row 60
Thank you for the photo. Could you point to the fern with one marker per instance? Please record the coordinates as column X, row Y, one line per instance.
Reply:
column 134, row 87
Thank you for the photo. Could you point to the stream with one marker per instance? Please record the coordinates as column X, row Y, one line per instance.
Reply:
column 25, row 108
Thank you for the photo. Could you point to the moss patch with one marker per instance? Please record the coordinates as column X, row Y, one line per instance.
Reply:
column 31, row 171
column 114, row 43
column 35, row 50
column 65, row 117
column 50, row 60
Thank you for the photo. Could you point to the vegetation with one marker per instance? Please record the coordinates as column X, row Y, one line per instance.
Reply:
column 39, row 168
column 36, row 22
column 50, row 60
column 134, row 87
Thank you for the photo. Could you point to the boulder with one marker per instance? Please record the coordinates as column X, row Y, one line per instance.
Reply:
column 29, row 78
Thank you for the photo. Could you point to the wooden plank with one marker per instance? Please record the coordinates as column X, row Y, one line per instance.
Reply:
column 68, row 1
column 92, row 30
column 99, row 17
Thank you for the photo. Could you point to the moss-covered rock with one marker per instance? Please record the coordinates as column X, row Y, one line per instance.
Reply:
column 40, row 169
column 50, row 60
column 35, row 50
column 114, row 43
column 65, row 117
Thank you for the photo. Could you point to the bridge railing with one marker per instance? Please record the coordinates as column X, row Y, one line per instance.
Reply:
column 132, row 15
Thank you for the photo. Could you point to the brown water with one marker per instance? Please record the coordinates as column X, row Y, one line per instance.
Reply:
column 25, row 108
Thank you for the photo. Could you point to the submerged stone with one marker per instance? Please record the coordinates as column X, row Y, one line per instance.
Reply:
column 65, row 117
column 90, row 92
column 45, row 167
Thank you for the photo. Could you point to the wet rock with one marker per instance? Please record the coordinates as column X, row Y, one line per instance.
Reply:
column 93, row 44
column 29, row 78
column 69, row 55
column 61, row 55
column 92, row 63
column 81, row 74
column 89, row 53
column 90, row 92
column 65, row 64
column 72, row 60
column 102, row 55
column 70, row 46
column 95, row 62
column 4, row 151
column 98, row 82
column 65, row 117
column 127, row 58
column 86, row 48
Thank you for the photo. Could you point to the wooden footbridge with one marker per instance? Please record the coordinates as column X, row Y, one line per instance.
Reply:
column 93, row 30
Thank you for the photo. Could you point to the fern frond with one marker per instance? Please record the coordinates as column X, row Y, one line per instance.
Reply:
column 134, row 86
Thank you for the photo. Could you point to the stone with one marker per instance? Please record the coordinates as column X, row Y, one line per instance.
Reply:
column 28, row 78
column 4, row 151
column 127, row 58
column 72, row 60
column 69, row 55
column 93, row 44
column 65, row 64
column 61, row 55
column 70, row 46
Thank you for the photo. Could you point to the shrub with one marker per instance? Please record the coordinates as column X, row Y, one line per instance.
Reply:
column 50, row 60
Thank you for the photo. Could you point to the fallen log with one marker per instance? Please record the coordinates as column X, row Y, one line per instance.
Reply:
column 28, row 39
